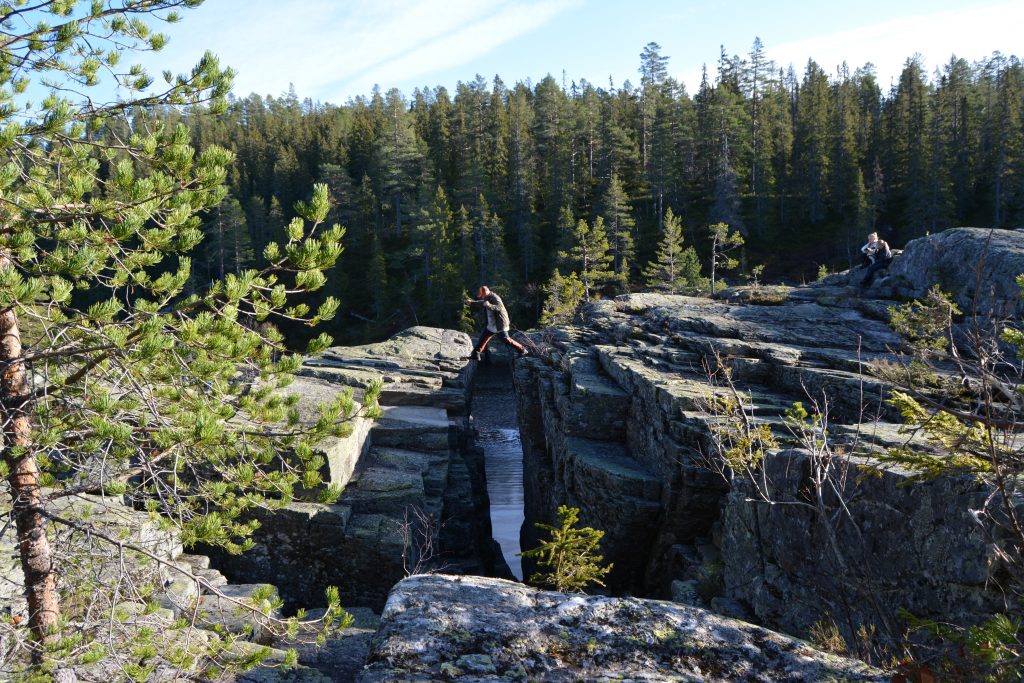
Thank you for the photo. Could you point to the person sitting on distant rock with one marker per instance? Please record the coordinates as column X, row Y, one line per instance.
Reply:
column 880, row 254
column 867, row 253
column 497, row 322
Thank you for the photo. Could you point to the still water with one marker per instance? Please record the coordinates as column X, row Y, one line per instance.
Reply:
column 494, row 414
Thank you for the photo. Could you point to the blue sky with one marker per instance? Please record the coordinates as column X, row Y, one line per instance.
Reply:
column 332, row 50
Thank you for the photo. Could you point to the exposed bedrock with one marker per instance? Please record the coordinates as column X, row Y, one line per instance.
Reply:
column 415, row 495
column 475, row 629
column 615, row 422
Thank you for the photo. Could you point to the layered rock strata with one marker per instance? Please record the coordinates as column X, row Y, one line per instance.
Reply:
column 618, row 420
column 415, row 494
column 449, row 628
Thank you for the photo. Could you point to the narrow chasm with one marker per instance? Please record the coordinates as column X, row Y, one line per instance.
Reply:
column 494, row 418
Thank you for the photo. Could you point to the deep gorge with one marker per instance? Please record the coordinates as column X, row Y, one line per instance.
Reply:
column 613, row 419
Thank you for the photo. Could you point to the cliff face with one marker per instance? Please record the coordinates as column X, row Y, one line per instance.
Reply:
column 415, row 492
column 617, row 422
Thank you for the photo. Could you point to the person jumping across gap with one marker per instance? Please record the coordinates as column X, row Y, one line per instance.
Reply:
column 880, row 254
column 497, row 322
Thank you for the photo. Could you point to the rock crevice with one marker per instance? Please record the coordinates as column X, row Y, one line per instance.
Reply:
column 415, row 495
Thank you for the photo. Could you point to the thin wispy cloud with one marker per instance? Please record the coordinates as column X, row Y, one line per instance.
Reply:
column 334, row 50
column 462, row 45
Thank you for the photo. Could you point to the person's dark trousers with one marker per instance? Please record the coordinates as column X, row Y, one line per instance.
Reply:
column 878, row 265
column 485, row 338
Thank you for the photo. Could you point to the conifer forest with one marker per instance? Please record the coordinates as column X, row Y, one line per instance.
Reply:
column 236, row 323
column 440, row 191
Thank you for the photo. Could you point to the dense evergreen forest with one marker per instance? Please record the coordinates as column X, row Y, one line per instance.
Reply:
column 441, row 191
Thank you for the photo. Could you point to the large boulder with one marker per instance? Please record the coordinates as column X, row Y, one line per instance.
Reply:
column 437, row 627
column 978, row 267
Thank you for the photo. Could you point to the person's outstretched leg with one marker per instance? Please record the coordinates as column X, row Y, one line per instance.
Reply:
column 481, row 344
column 520, row 349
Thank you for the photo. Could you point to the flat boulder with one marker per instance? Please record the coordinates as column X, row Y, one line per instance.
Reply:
column 437, row 627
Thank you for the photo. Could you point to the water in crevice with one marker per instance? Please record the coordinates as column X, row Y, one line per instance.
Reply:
column 494, row 415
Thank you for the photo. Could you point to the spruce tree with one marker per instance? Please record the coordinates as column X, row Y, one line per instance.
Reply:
column 106, row 358
column 589, row 256
column 812, row 160
column 618, row 216
column 570, row 554
column 437, row 285
column 674, row 268
column 563, row 297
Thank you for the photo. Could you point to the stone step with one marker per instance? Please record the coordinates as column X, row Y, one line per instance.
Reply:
column 179, row 592
column 595, row 406
column 419, row 428
column 433, row 466
column 399, row 459
column 384, row 491
column 403, row 394
column 608, row 466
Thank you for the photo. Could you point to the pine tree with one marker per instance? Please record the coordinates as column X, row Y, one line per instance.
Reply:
column 229, row 248
column 908, row 123
column 1008, row 177
column 466, row 321
column 489, row 242
column 674, row 269
column 957, row 123
column 566, row 235
column 849, row 195
column 551, row 123
column 522, row 179
column 722, row 243
column 757, row 80
column 725, row 197
column 653, row 73
column 377, row 278
column 105, row 357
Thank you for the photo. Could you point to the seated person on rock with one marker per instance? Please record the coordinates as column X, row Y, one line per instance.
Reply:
column 497, row 322
column 880, row 254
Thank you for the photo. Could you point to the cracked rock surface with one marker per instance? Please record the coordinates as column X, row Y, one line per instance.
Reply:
column 437, row 628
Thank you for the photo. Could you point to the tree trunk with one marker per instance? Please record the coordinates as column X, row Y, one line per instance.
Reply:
column 33, row 544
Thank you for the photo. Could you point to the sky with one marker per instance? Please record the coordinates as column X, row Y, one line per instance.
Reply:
column 335, row 50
